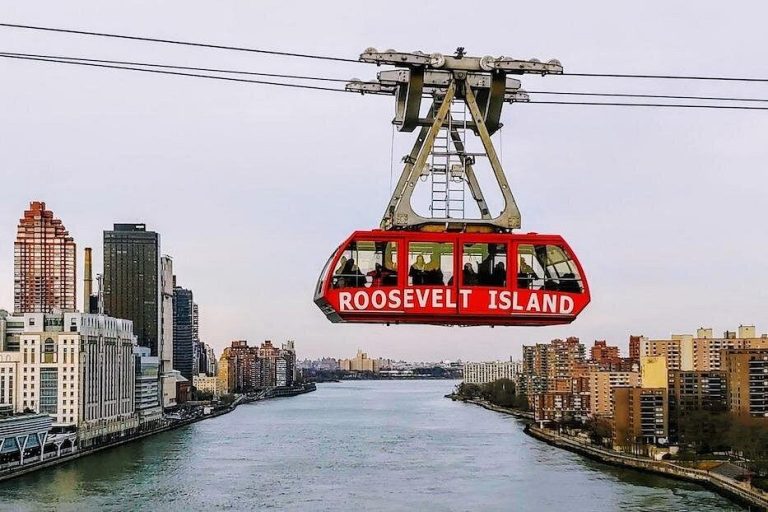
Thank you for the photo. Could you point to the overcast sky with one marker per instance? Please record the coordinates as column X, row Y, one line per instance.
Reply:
column 252, row 187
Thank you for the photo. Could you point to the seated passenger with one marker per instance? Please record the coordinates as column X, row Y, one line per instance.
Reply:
column 433, row 274
column 470, row 276
column 352, row 276
column 568, row 283
column 338, row 281
column 525, row 275
column 499, row 276
column 485, row 270
column 418, row 271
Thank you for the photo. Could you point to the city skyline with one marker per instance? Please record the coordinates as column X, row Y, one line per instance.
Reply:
column 251, row 228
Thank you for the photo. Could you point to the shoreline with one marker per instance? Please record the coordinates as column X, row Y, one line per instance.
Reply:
column 735, row 491
column 64, row 459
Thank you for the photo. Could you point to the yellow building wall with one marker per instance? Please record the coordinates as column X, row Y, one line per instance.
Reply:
column 653, row 372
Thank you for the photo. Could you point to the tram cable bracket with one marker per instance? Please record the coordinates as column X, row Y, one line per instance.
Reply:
column 483, row 85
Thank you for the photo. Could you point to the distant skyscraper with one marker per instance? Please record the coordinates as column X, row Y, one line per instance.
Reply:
column 132, row 280
column 195, row 321
column 183, row 334
column 166, row 309
column 44, row 263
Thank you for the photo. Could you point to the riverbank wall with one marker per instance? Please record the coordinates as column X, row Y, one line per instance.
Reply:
column 739, row 492
column 17, row 471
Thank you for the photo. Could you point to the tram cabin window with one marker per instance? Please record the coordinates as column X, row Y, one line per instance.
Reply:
column 430, row 264
column 547, row 267
column 367, row 264
column 484, row 265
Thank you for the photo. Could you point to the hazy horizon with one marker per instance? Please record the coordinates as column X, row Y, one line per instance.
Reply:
column 252, row 187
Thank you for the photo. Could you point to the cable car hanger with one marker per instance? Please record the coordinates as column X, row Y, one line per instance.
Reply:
column 482, row 84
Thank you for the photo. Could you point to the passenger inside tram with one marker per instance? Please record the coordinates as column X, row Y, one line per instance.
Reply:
column 418, row 271
column 437, row 271
column 367, row 264
column 470, row 276
column 547, row 267
column 491, row 263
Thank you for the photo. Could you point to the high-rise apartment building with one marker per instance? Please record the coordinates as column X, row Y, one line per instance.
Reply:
column 485, row 372
column 239, row 369
column 702, row 352
column 746, row 373
column 601, row 386
column 183, row 332
column 640, row 416
column 604, row 354
column 552, row 366
column 44, row 263
column 132, row 280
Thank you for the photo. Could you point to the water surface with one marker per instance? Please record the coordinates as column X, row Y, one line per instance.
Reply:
column 375, row 445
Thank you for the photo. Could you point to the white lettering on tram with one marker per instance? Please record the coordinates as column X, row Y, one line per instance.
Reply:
column 443, row 298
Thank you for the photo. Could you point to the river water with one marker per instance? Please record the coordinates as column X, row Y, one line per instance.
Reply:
column 375, row 445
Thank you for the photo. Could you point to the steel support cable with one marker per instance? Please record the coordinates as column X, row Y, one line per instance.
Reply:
column 172, row 66
column 314, row 87
column 660, row 105
column 175, row 73
column 668, row 77
column 343, row 80
column 178, row 42
column 343, row 59
column 659, row 96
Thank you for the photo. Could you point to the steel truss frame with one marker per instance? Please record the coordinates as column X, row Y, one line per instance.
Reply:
column 481, row 83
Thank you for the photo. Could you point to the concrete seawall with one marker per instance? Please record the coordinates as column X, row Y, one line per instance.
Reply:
column 740, row 492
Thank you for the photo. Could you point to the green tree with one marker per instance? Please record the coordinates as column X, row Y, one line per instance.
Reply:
column 468, row 391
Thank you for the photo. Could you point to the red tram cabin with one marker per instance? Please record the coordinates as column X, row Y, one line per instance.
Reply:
column 411, row 277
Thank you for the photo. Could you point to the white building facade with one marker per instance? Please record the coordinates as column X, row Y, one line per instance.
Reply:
column 78, row 368
column 483, row 373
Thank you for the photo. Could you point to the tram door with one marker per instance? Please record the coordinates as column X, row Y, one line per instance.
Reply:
column 484, row 275
column 431, row 283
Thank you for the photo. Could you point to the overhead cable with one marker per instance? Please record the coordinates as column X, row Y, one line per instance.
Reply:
column 95, row 63
column 669, row 77
column 176, row 73
column 178, row 42
column 172, row 66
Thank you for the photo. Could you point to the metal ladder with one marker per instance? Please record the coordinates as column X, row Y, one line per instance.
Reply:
column 447, row 169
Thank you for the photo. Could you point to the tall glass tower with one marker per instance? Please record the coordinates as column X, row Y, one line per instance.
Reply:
column 132, row 280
